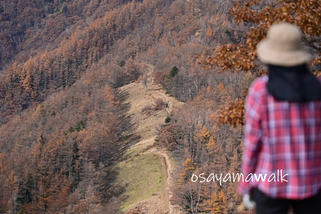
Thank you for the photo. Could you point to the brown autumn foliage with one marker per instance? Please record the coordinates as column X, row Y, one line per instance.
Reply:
column 211, row 136
column 242, row 56
column 204, row 145
column 260, row 15
column 39, row 23
column 72, row 139
column 62, row 121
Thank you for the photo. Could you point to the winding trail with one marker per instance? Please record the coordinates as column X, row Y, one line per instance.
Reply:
column 141, row 94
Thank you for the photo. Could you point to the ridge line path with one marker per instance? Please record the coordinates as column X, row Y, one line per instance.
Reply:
column 143, row 93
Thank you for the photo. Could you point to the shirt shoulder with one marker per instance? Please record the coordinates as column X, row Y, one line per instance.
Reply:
column 258, row 86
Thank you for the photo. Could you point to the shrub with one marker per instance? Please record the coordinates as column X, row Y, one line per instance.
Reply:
column 121, row 63
column 64, row 9
column 168, row 119
column 159, row 77
column 159, row 104
column 173, row 72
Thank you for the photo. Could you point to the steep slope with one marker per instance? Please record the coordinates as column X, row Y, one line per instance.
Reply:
column 140, row 95
column 61, row 124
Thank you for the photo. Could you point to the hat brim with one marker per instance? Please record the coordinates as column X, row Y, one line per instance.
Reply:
column 269, row 55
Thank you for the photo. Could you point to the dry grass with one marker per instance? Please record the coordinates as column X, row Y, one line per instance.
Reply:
column 142, row 177
column 147, row 109
column 144, row 172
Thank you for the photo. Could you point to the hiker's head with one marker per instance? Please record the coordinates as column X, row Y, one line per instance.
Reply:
column 283, row 46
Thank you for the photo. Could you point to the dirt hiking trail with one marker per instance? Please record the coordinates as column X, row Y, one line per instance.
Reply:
column 144, row 93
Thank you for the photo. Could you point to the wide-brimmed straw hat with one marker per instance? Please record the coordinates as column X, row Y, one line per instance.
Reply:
column 283, row 46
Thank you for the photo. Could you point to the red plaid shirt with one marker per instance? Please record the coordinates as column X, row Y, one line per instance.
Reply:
column 285, row 136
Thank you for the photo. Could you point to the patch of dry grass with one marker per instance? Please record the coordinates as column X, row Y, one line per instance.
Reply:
column 141, row 176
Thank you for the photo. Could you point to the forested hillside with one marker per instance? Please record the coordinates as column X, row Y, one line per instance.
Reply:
column 64, row 123
column 210, row 138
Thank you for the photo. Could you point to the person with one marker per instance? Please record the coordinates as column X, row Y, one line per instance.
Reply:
column 281, row 160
